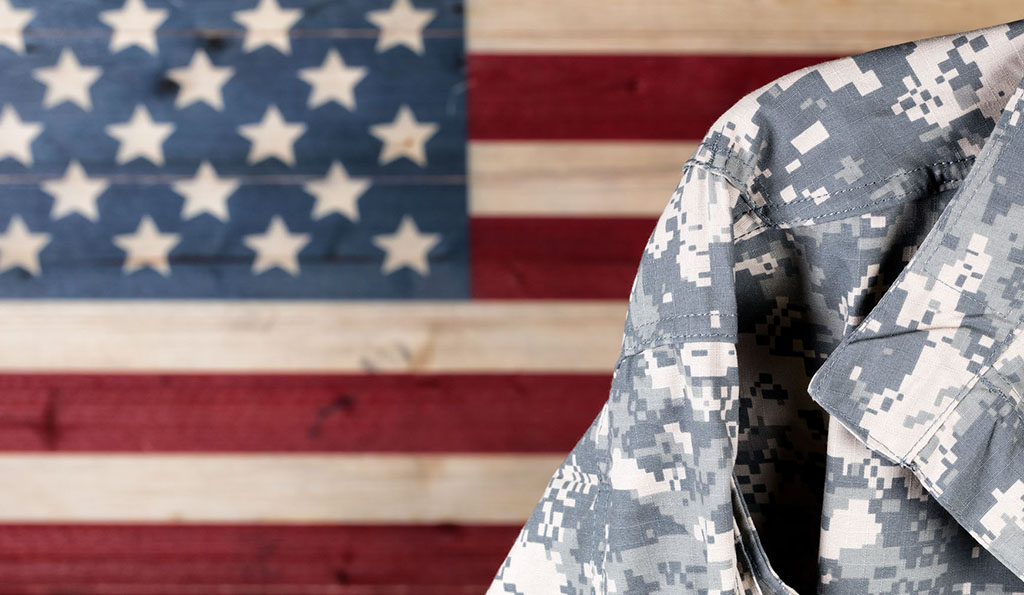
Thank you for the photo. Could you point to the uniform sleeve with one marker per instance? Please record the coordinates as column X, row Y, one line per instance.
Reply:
column 643, row 502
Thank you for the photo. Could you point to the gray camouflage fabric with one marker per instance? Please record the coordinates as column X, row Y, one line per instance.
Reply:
column 821, row 381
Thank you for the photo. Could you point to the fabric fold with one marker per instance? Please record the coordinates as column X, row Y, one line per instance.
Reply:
column 923, row 379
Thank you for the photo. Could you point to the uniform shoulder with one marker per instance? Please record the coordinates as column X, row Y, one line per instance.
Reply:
column 828, row 141
column 851, row 125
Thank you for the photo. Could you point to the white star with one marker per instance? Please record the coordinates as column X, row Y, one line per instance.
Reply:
column 406, row 247
column 200, row 81
column 267, row 24
column 141, row 137
column 404, row 137
column 12, row 22
column 401, row 25
column 206, row 193
column 134, row 24
column 272, row 137
column 67, row 80
column 147, row 247
column 75, row 193
column 19, row 247
column 16, row 136
column 337, row 193
column 276, row 247
column 333, row 81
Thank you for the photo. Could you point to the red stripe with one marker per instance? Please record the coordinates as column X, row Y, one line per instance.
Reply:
column 668, row 97
column 556, row 257
column 62, row 557
column 365, row 413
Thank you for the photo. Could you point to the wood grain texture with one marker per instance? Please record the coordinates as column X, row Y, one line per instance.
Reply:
column 728, row 26
column 312, row 336
column 574, row 178
column 294, row 559
column 428, row 413
column 611, row 97
column 555, row 257
column 278, row 488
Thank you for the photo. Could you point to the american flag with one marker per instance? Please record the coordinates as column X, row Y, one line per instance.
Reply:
column 312, row 296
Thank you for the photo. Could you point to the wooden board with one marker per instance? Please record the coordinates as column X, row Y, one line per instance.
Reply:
column 733, row 26
column 574, row 178
column 312, row 336
column 399, row 413
column 235, row 559
column 272, row 488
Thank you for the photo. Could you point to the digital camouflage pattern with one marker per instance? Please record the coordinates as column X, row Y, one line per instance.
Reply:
column 821, row 381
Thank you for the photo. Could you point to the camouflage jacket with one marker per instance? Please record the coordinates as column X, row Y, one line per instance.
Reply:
column 821, row 381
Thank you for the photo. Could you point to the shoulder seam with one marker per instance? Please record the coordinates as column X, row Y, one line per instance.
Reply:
column 739, row 185
column 666, row 341
column 773, row 205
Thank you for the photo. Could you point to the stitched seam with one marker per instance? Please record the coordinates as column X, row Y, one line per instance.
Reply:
column 942, row 416
column 997, row 352
column 697, row 314
column 944, row 225
column 1009, row 400
column 964, row 293
column 713, row 149
column 881, row 180
column 757, row 185
column 952, row 182
column 960, row 507
column 740, row 185
column 636, row 347
column 752, row 231
column 714, row 169
column 773, row 203
column 1009, row 383
column 852, row 338
column 949, row 221
column 698, row 161
column 744, row 213
column 728, row 177
column 829, row 374
column 961, row 503
column 816, row 221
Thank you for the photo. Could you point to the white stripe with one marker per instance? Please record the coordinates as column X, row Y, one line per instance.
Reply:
column 579, row 179
column 273, row 488
column 268, row 336
column 692, row 26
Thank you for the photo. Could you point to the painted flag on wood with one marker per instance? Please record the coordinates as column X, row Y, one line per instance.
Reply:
column 312, row 296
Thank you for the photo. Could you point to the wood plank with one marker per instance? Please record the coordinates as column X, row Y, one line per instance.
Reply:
column 556, row 258
column 278, row 488
column 574, row 178
column 311, row 336
column 611, row 97
column 727, row 26
column 299, row 559
column 426, row 413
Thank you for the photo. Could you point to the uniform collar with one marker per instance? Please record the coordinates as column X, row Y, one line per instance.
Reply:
column 931, row 378
column 949, row 307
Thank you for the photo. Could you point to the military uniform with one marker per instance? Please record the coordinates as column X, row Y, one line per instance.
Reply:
column 821, row 380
